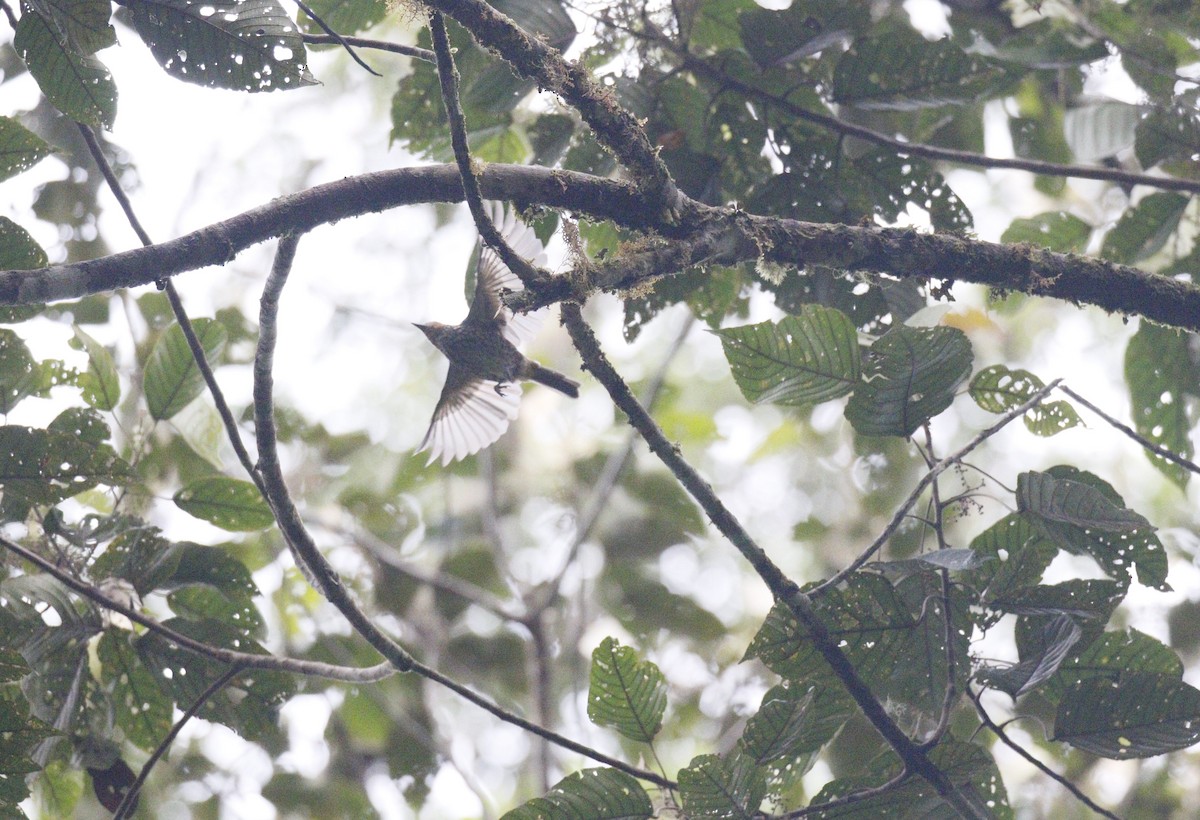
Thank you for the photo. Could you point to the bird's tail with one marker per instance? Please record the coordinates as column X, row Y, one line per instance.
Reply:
column 552, row 378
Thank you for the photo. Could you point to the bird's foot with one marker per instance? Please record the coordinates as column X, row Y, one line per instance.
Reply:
column 500, row 388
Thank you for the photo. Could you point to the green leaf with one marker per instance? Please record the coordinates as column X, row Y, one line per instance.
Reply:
column 209, row 583
column 1136, row 715
column 1019, row 555
column 625, row 693
column 1116, row 550
column 909, row 377
column 100, row 384
column 803, row 359
column 1113, row 655
column 1143, row 229
column 714, row 787
column 793, row 720
column 591, row 793
column 228, row 503
column 172, row 378
column 82, row 24
column 45, row 467
column 1168, row 135
column 142, row 709
column 20, row 148
column 1056, row 230
column 18, row 250
column 1073, row 502
column 1162, row 371
column 82, row 422
column 74, row 82
column 251, row 45
column 20, row 375
column 969, row 767
column 902, row 71
column 998, row 390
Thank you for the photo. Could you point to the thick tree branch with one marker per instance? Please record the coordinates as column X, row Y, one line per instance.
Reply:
column 617, row 129
column 738, row 237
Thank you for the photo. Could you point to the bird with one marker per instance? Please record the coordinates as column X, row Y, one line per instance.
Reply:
column 482, row 391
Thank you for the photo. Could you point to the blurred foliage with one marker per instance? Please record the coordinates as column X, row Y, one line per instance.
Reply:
column 572, row 579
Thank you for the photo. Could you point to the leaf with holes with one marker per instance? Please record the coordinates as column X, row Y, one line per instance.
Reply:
column 998, row 389
column 793, row 720
column 172, row 378
column 625, row 693
column 20, row 148
column 142, row 709
column 902, row 71
column 803, row 359
column 228, row 503
column 46, row 466
column 18, row 250
column 909, row 377
column 245, row 46
column 1142, row 230
column 20, row 375
column 75, row 83
column 715, row 787
column 589, row 793
column 1163, row 374
column 100, row 384
column 1082, row 514
column 1137, row 715
column 1057, row 231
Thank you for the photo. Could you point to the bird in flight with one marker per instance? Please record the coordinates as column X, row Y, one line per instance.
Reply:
column 482, row 391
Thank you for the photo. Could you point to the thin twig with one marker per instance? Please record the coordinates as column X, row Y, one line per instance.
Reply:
column 363, row 42
column 937, row 469
column 448, row 80
column 232, row 431
column 126, row 806
column 318, row 669
column 1046, row 770
column 339, row 39
column 1157, row 449
column 782, row 588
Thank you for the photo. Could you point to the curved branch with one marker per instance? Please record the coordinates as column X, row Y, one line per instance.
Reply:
column 722, row 235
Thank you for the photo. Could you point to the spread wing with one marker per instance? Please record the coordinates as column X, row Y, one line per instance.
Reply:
column 469, row 416
column 492, row 276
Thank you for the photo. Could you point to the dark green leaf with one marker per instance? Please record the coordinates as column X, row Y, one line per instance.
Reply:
column 1112, row 655
column 82, row 24
column 20, row 148
column 250, row 45
column 1139, row 715
column 172, row 378
column 20, row 375
column 19, row 251
column 346, row 17
column 803, row 359
column 1019, row 555
column 1056, row 230
column 730, row 787
column 228, row 503
column 909, row 376
column 83, row 423
column 75, row 83
column 598, row 793
column 141, row 708
column 1163, row 371
column 1073, row 502
column 1142, row 230
column 902, row 70
column 804, row 28
column 625, row 693
column 45, row 467
column 100, row 383
column 1169, row 135
column 998, row 390
column 793, row 720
